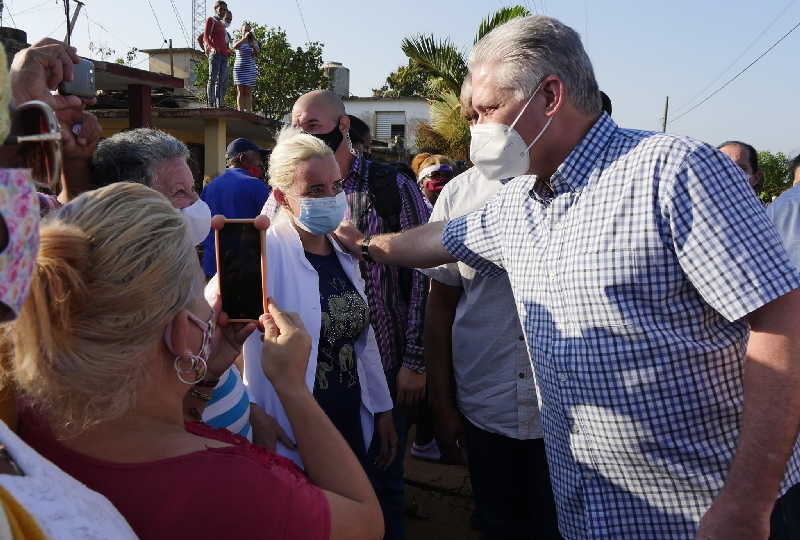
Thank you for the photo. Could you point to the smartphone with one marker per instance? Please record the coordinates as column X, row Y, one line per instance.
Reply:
column 241, row 267
column 83, row 83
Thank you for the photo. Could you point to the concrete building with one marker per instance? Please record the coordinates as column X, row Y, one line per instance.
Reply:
column 338, row 78
column 180, row 63
column 391, row 119
column 132, row 98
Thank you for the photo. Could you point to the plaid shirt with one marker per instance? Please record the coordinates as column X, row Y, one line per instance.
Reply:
column 397, row 316
column 632, row 280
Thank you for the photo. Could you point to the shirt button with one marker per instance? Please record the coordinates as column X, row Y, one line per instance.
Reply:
column 521, row 375
column 576, row 428
column 563, row 377
column 521, row 338
column 552, row 276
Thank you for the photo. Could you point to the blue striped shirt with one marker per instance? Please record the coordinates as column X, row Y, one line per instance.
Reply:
column 229, row 407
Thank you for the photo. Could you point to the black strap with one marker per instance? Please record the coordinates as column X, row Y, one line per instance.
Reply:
column 384, row 193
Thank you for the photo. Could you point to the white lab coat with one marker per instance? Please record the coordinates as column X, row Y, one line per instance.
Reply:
column 293, row 284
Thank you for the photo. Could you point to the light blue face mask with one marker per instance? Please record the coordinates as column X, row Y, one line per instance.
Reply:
column 320, row 215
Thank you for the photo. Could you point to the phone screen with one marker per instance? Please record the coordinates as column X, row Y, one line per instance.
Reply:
column 240, row 281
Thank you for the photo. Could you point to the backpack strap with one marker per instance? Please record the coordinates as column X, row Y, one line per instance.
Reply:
column 384, row 193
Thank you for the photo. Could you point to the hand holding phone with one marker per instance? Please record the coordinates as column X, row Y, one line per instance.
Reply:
column 82, row 83
column 241, row 266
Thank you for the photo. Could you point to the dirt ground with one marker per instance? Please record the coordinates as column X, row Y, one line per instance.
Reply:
column 438, row 501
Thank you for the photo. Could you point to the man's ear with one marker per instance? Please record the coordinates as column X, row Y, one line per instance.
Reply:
column 344, row 123
column 554, row 91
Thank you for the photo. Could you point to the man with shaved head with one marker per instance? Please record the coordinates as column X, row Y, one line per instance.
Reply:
column 381, row 200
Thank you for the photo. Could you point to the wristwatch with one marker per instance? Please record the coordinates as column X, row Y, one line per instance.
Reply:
column 365, row 250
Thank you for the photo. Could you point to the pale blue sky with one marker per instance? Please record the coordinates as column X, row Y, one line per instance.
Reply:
column 642, row 50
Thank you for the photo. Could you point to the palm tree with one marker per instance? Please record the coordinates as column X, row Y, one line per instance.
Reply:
column 446, row 68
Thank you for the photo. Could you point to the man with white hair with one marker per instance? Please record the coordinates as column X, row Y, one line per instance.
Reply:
column 664, row 336
column 160, row 161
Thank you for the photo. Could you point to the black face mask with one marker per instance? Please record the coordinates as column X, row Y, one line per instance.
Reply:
column 333, row 138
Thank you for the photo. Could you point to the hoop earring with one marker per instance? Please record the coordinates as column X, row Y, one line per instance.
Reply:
column 197, row 366
column 349, row 143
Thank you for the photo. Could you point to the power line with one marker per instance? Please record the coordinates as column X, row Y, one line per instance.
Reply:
column 104, row 29
column 56, row 29
column 180, row 23
column 303, row 20
column 12, row 17
column 88, row 27
column 729, row 81
column 157, row 23
column 32, row 8
column 689, row 102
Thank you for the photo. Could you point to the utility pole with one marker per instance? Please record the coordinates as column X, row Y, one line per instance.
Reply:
column 666, row 113
column 171, row 60
column 71, row 21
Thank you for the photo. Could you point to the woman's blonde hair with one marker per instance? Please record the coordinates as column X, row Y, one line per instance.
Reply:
column 114, row 267
column 294, row 146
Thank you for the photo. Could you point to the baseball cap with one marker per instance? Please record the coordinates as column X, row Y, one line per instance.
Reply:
column 237, row 146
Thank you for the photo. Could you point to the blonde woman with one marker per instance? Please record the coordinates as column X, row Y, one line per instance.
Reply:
column 114, row 333
column 309, row 273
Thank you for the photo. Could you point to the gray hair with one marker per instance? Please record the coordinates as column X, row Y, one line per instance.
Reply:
column 531, row 48
column 131, row 156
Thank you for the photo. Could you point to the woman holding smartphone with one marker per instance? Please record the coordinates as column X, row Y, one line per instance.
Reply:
column 113, row 334
column 308, row 273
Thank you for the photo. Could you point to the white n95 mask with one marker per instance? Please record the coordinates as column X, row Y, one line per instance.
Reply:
column 198, row 220
column 498, row 151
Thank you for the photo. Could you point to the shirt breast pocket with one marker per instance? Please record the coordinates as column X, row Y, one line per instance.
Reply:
column 619, row 287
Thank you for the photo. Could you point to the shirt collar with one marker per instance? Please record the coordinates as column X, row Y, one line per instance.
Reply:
column 574, row 172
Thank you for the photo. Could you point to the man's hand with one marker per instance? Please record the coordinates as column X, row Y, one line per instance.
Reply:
column 79, row 141
column 80, row 138
column 387, row 436
column 731, row 518
column 267, row 431
column 41, row 68
column 349, row 238
column 410, row 387
column 449, row 429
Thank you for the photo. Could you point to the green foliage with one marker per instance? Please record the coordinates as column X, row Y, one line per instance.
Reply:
column 449, row 123
column 445, row 68
column 428, row 140
column 500, row 17
column 437, row 58
column 284, row 73
column 406, row 81
column 776, row 174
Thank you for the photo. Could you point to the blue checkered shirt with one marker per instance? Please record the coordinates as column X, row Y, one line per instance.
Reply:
column 632, row 279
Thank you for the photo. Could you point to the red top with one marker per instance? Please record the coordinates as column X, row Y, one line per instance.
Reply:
column 214, row 36
column 241, row 491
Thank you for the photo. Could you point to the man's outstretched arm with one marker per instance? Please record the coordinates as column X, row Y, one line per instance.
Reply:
column 420, row 247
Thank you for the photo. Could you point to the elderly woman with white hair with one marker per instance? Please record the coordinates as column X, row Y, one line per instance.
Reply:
column 308, row 273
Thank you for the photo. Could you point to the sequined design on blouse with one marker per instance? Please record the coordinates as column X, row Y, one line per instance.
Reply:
column 345, row 317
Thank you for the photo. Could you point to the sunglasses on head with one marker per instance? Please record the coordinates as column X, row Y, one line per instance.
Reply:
column 36, row 134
